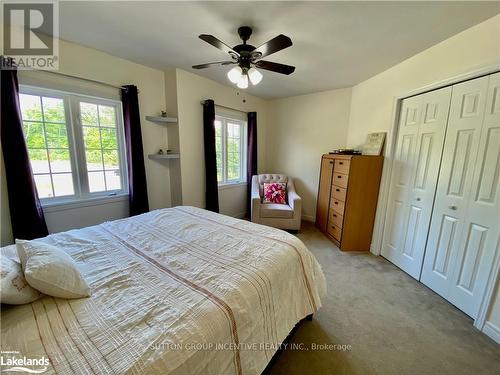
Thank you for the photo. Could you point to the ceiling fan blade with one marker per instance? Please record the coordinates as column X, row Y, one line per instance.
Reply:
column 210, row 39
column 274, row 45
column 203, row 66
column 275, row 67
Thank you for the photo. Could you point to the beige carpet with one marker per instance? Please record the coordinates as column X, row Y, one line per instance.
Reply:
column 394, row 324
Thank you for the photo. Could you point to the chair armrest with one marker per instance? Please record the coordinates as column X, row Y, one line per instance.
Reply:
column 294, row 200
column 255, row 199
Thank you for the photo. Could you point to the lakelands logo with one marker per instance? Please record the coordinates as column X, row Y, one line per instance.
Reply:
column 30, row 34
column 10, row 361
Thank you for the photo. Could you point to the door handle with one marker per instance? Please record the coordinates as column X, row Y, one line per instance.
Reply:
column 454, row 208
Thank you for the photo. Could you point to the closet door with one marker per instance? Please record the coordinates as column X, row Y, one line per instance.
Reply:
column 465, row 225
column 414, row 176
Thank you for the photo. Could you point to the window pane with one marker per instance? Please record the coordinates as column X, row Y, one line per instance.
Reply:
column 88, row 112
column 63, row 184
column 59, row 161
column 96, row 181
column 33, row 132
column 57, row 135
column 43, row 185
column 108, row 137
column 94, row 160
column 31, row 107
column 91, row 137
column 113, row 180
column 107, row 116
column 218, row 128
column 232, row 145
column 39, row 161
column 110, row 159
column 218, row 149
column 53, row 110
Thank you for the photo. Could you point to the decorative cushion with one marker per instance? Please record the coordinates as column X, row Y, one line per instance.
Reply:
column 50, row 270
column 14, row 290
column 274, row 192
column 276, row 211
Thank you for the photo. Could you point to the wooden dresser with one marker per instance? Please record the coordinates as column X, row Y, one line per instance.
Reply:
column 347, row 199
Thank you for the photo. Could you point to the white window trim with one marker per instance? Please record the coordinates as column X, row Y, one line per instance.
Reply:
column 223, row 118
column 77, row 149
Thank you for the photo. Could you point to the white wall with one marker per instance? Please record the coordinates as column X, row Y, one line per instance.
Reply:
column 300, row 130
column 89, row 63
column 373, row 101
column 191, row 90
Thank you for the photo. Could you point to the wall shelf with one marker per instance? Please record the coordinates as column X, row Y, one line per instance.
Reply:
column 162, row 120
column 172, row 155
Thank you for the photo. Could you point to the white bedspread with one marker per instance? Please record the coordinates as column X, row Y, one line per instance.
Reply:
column 174, row 291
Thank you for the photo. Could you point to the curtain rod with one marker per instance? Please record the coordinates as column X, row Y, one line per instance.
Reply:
column 223, row 106
column 83, row 79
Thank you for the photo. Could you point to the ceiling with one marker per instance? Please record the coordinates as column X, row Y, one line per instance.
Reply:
column 336, row 44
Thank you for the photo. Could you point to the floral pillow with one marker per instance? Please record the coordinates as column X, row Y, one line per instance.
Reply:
column 274, row 192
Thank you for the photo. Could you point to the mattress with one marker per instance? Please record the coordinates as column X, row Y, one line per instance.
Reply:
column 174, row 291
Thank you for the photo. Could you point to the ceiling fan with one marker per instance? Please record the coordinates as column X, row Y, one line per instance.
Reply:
column 247, row 57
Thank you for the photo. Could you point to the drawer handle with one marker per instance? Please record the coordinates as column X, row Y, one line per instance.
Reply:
column 454, row 208
column 339, row 176
column 341, row 163
column 336, row 202
column 333, row 227
column 334, row 215
column 337, row 189
column 331, row 162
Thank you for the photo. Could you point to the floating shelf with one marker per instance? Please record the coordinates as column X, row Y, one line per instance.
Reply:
column 172, row 155
column 162, row 120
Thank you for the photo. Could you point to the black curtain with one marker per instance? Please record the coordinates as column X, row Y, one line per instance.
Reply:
column 138, row 190
column 252, row 154
column 211, row 187
column 26, row 212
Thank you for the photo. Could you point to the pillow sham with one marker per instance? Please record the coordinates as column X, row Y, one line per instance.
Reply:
column 274, row 192
column 14, row 290
column 50, row 270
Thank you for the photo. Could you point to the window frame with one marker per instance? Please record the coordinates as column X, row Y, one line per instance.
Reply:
column 224, row 119
column 76, row 145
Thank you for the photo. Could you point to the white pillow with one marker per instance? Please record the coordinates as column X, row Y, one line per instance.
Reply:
column 14, row 290
column 50, row 270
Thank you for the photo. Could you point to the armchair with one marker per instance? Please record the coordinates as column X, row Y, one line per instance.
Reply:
column 282, row 216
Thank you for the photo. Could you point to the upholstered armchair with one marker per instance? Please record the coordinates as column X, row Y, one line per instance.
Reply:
column 283, row 216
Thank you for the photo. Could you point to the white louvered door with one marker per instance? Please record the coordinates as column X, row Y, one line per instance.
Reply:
column 464, row 233
column 413, row 180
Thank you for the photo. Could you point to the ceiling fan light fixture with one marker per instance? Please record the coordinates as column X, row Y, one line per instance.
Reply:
column 255, row 76
column 234, row 74
column 243, row 81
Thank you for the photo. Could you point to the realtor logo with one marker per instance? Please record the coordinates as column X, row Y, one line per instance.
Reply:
column 30, row 34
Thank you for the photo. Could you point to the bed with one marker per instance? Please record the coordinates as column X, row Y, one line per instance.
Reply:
column 174, row 291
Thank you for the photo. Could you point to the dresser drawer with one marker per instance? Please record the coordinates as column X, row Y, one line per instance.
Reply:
column 340, row 179
column 339, row 193
column 337, row 206
column 334, row 231
column 335, row 218
column 342, row 166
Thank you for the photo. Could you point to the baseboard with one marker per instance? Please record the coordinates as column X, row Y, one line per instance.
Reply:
column 240, row 215
column 309, row 218
column 374, row 250
column 492, row 331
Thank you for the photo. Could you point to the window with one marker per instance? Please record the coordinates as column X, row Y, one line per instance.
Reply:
column 230, row 146
column 75, row 144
